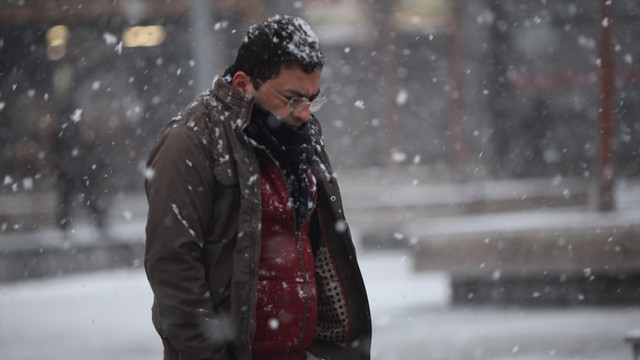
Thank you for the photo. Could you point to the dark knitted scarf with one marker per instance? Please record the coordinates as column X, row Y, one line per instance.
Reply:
column 288, row 146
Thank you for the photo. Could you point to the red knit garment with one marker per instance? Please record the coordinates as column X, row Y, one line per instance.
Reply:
column 286, row 308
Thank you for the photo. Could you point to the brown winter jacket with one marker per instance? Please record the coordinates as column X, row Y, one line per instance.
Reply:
column 203, row 238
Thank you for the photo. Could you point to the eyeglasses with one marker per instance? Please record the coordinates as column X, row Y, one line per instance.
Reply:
column 295, row 104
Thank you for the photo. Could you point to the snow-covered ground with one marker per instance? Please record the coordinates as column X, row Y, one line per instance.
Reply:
column 106, row 316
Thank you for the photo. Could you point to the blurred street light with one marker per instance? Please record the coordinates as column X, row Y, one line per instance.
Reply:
column 57, row 37
column 137, row 36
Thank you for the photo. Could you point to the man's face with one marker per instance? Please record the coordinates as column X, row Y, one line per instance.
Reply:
column 290, row 83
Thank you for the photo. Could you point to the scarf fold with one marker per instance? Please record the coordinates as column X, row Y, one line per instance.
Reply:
column 288, row 146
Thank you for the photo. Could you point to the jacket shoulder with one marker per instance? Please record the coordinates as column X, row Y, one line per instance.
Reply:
column 202, row 127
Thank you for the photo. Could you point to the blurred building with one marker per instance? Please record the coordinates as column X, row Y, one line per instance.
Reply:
column 481, row 89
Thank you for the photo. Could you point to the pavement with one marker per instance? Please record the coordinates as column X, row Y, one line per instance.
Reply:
column 105, row 315
column 85, row 295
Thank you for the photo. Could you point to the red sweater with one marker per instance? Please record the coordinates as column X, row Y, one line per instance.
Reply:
column 286, row 309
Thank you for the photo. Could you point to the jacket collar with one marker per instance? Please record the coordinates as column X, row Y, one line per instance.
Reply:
column 234, row 98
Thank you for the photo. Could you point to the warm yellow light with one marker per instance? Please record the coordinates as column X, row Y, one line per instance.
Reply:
column 135, row 36
column 57, row 35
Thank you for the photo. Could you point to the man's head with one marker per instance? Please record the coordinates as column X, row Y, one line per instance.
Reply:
column 281, row 40
column 280, row 60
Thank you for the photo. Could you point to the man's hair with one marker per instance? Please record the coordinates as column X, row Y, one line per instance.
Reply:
column 281, row 40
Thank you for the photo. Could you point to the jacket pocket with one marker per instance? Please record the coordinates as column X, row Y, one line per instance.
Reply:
column 218, row 266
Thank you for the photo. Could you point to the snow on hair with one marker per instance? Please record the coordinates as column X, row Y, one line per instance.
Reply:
column 298, row 38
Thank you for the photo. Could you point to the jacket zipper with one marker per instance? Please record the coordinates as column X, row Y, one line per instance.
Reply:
column 305, row 278
column 307, row 290
column 298, row 236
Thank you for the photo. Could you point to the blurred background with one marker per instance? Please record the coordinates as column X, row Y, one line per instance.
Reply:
column 493, row 142
column 465, row 90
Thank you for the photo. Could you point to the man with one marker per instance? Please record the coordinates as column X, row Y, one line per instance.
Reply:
column 248, row 253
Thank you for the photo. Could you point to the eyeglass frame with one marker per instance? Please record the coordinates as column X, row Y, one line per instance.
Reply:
column 314, row 105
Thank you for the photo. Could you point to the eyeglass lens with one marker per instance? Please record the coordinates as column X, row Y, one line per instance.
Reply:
column 297, row 104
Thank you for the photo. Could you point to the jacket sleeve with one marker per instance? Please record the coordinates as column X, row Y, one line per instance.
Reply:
column 179, row 185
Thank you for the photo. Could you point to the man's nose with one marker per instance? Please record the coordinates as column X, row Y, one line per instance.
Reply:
column 303, row 114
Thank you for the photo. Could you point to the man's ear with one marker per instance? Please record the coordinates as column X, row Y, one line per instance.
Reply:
column 242, row 82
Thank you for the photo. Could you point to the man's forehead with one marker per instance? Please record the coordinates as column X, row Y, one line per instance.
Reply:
column 297, row 82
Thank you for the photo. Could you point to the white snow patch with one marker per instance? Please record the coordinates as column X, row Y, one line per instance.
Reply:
column 109, row 38
column 76, row 116
column 176, row 211
column 402, row 97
